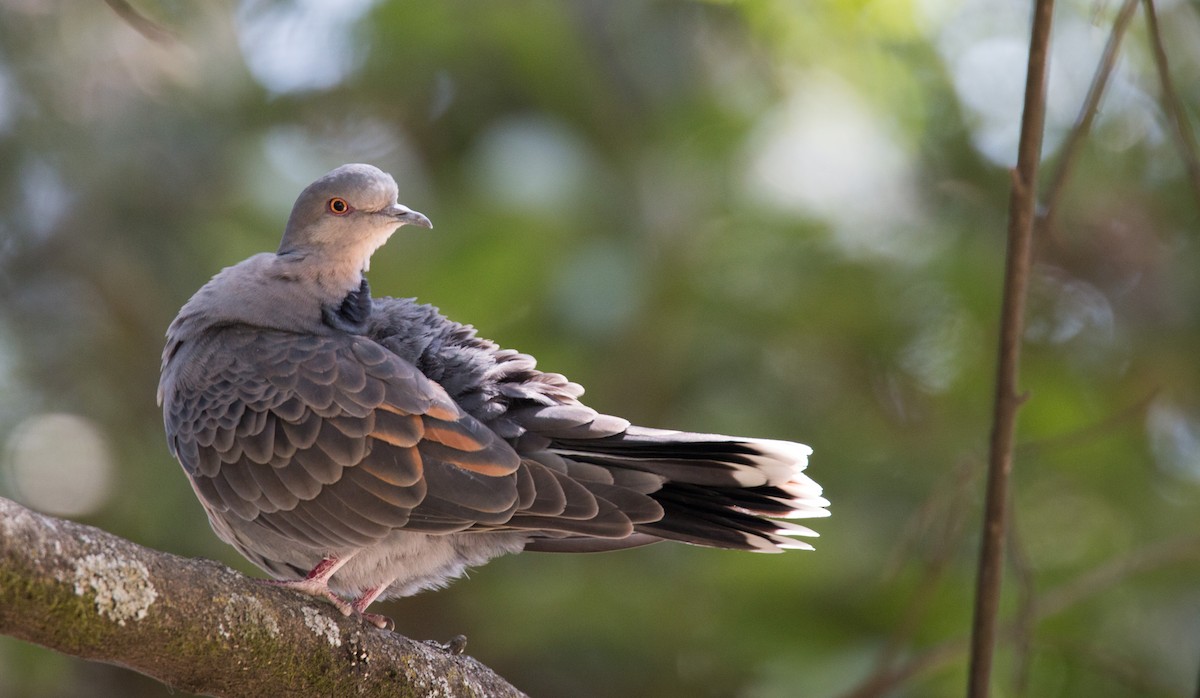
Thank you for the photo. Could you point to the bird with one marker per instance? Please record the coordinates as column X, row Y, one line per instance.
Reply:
column 359, row 448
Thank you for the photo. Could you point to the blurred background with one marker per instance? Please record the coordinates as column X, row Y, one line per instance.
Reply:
column 765, row 218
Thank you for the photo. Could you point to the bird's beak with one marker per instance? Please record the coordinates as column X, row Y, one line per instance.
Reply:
column 407, row 216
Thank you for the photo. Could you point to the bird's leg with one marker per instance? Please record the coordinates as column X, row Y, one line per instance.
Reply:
column 360, row 607
column 317, row 582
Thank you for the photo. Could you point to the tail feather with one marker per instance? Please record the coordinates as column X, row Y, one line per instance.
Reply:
column 716, row 491
column 692, row 519
column 701, row 459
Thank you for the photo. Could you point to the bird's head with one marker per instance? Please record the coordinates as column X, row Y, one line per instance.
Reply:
column 345, row 216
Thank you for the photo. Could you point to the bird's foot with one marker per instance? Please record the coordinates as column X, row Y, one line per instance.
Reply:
column 313, row 587
column 360, row 607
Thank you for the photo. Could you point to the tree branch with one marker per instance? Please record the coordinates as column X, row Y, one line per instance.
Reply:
column 947, row 509
column 199, row 626
column 1022, row 203
column 1172, row 104
column 140, row 23
column 1058, row 600
column 1087, row 114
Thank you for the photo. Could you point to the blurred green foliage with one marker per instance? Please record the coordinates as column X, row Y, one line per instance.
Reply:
column 767, row 218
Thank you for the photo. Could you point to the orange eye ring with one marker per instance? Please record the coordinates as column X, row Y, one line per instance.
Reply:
column 338, row 206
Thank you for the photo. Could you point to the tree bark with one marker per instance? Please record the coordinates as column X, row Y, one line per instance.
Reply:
column 201, row 627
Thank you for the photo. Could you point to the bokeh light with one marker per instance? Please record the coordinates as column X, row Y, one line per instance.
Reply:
column 59, row 464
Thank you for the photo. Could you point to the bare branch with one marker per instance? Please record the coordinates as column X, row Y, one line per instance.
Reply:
column 1091, row 432
column 1022, row 204
column 1117, row 570
column 1087, row 113
column 940, row 520
column 1058, row 600
column 941, row 523
column 140, row 23
column 1172, row 104
column 201, row 627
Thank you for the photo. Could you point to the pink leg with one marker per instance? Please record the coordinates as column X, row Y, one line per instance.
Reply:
column 317, row 582
column 360, row 607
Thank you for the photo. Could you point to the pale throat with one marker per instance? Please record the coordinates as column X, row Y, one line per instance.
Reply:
column 341, row 270
column 368, row 247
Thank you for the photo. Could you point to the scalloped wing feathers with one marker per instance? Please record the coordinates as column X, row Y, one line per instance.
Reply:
column 334, row 442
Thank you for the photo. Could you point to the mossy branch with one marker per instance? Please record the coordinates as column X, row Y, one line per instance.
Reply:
column 201, row 627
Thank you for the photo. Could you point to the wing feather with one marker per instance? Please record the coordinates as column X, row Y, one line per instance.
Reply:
column 335, row 441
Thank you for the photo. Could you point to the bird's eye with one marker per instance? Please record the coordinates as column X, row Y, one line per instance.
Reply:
column 338, row 206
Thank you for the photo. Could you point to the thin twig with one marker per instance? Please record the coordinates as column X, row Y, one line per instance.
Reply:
column 1172, row 104
column 143, row 25
column 1090, row 432
column 1197, row 694
column 936, row 657
column 948, row 506
column 1025, row 619
column 1022, row 204
column 1087, row 114
column 1114, row 668
column 945, row 508
column 1058, row 600
column 1117, row 570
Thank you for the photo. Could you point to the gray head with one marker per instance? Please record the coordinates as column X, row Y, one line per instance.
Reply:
column 347, row 214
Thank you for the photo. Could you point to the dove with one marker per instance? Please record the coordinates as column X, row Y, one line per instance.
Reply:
column 359, row 448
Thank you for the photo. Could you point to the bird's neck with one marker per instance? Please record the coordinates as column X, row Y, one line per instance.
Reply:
column 338, row 287
column 351, row 314
column 332, row 277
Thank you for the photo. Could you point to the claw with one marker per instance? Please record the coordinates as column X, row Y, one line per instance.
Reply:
column 379, row 621
column 360, row 607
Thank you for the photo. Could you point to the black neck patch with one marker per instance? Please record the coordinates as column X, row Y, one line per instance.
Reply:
column 352, row 314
